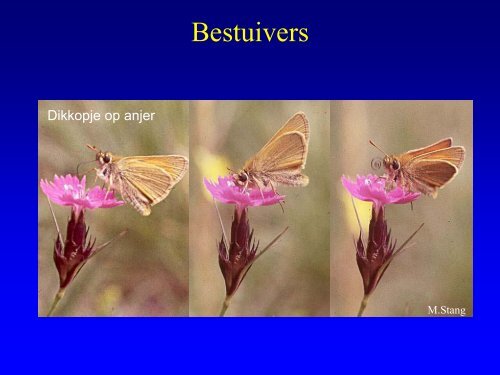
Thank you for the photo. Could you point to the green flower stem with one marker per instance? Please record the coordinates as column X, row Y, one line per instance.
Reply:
column 59, row 295
column 362, row 306
column 225, row 306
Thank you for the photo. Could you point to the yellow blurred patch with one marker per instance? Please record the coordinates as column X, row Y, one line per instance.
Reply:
column 364, row 211
column 211, row 166
column 108, row 299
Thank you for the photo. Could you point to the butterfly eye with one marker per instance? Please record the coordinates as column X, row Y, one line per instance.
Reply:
column 106, row 159
column 395, row 165
column 243, row 177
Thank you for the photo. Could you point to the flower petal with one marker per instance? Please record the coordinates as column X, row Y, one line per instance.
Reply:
column 226, row 191
column 371, row 188
column 70, row 191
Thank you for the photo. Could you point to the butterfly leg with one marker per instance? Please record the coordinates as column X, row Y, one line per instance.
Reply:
column 275, row 192
column 110, row 184
column 260, row 186
column 273, row 187
column 389, row 185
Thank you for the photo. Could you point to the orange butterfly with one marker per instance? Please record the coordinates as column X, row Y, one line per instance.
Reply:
column 281, row 159
column 425, row 169
column 142, row 181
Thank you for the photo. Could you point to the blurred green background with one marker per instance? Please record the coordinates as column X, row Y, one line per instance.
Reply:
column 292, row 279
column 144, row 273
column 437, row 271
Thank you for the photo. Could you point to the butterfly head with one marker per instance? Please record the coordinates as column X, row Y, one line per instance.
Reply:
column 391, row 163
column 104, row 157
column 241, row 178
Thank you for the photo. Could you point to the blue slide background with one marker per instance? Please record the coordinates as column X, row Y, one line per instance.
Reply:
column 115, row 50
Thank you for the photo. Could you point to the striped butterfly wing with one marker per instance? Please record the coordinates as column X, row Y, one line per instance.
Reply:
column 439, row 145
column 282, row 159
column 430, row 168
column 175, row 165
column 433, row 170
column 427, row 176
column 143, row 184
column 454, row 155
column 442, row 150
column 297, row 123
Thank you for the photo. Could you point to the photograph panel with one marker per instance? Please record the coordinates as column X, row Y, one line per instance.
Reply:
column 401, row 234
column 261, row 150
column 107, row 173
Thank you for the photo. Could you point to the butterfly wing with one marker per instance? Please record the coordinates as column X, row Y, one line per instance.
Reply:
column 427, row 175
column 439, row 145
column 297, row 123
column 282, row 159
column 454, row 155
column 142, row 184
column 175, row 165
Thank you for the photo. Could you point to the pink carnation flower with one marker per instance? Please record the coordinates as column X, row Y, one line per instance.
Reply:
column 226, row 191
column 371, row 188
column 69, row 191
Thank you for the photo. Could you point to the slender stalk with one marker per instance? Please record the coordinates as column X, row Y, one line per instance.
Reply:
column 362, row 306
column 102, row 246
column 59, row 295
column 220, row 221
column 55, row 222
column 357, row 217
column 269, row 245
column 225, row 306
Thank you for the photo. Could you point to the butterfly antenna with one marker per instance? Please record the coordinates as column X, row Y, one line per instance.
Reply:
column 378, row 148
column 83, row 163
column 93, row 148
